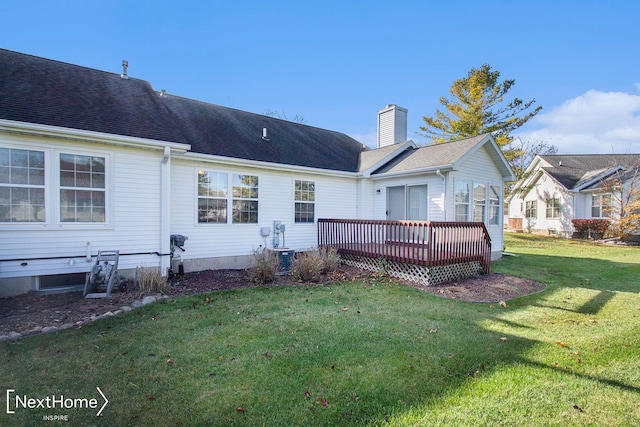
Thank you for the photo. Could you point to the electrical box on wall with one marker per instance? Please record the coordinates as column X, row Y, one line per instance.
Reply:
column 277, row 224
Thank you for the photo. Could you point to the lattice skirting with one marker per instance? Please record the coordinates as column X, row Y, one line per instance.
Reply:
column 415, row 273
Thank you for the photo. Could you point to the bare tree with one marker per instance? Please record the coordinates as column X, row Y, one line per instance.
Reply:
column 283, row 116
column 524, row 151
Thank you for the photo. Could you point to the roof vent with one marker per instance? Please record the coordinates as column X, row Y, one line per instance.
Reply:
column 560, row 163
column 163, row 93
column 264, row 134
column 125, row 65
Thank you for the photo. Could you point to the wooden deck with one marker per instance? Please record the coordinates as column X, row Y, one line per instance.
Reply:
column 426, row 244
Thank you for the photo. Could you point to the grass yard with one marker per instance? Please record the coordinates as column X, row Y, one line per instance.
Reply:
column 359, row 353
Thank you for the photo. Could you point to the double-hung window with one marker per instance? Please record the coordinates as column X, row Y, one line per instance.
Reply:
column 531, row 209
column 494, row 205
column 212, row 197
column 553, row 208
column 305, row 196
column 245, row 199
column 22, row 186
column 601, row 206
column 462, row 201
column 479, row 202
column 82, row 188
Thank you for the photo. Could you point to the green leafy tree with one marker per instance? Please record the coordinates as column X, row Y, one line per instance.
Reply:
column 478, row 106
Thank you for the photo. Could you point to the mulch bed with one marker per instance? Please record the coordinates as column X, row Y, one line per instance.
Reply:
column 25, row 312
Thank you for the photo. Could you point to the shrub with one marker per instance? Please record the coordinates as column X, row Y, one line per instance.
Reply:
column 150, row 279
column 267, row 264
column 591, row 227
column 330, row 259
column 308, row 267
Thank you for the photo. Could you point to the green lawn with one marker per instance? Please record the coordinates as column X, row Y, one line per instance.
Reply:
column 359, row 353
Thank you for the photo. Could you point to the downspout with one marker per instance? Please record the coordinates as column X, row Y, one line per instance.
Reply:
column 444, row 194
column 165, row 210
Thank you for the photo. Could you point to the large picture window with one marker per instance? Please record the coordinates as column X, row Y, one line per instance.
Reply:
column 82, row 188
column 462, row 201
column 245, row 199
column 22, row 179
column 212, row 197
column 305, row 196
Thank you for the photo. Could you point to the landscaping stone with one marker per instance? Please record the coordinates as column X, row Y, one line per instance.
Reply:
column 14, row 335
column 34, row 331
column 126, row 308
column 149, row 299
column 136, row 304
column 49, row 329
column 4, row 338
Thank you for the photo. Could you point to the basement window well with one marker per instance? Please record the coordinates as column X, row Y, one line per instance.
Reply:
column 61, row 282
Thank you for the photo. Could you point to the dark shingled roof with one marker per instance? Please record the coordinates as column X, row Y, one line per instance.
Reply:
column 223, row 131
column 577, row 169
column 42, row 91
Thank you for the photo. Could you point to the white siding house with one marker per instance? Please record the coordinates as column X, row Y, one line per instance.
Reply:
column 560, row 188
column 93, row 161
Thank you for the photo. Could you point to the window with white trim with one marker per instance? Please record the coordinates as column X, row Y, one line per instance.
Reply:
column 479, row 202
column 553, row 208
column 82, row 188
column 601, row 205
column 494, row 205
column 305, row 196
column 212, row 197
column 531, row 209
column 22, row 186
column 462, row 201
column 244, row 195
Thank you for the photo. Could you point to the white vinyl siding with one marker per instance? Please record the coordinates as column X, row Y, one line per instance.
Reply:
column 334, row 198
column 132, row 198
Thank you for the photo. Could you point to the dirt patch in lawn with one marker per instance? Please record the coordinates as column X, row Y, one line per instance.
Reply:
column 32, row 310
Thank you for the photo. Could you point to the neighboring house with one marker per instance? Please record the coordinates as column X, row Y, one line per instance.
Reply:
column 91, row 160
column 559, row 188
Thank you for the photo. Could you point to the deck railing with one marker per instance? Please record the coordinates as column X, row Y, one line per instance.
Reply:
column 425, row 243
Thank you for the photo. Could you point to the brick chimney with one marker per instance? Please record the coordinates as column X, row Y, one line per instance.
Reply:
column 392, row 125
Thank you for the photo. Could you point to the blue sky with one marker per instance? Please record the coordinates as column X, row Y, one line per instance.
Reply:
column 336, row 63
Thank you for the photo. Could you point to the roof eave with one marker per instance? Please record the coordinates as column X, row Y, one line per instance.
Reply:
column 401, row 147
column 429, row 170
column 281, row 167
column 48, row 131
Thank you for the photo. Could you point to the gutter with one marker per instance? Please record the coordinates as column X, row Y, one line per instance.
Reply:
column 433, row 170
column 233, row 161
column 24, row 128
